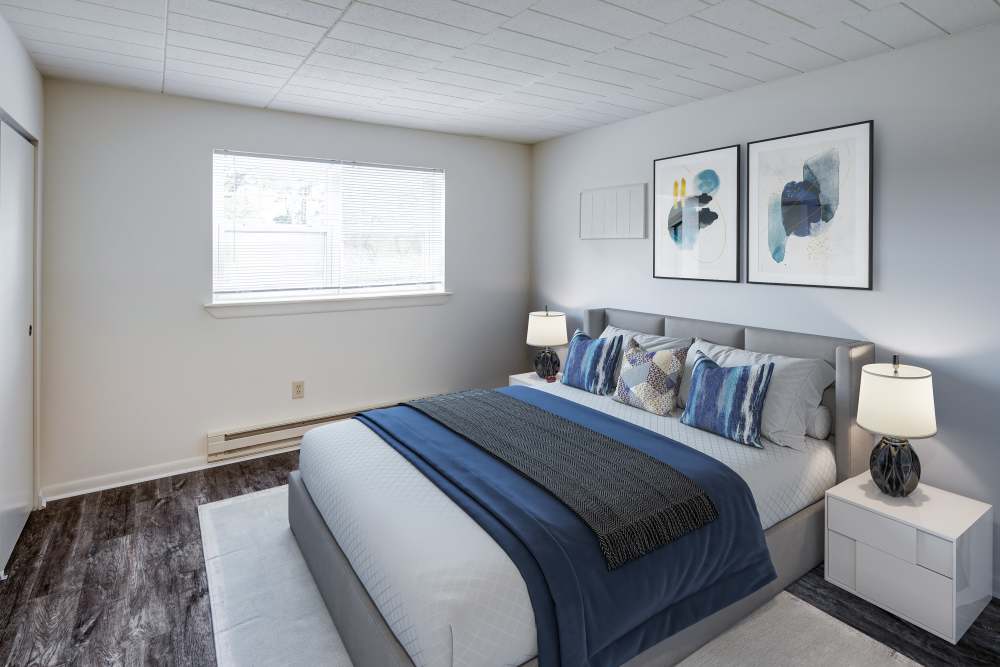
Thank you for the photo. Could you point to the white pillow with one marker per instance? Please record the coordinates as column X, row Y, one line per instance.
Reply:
column 796, row 388
column 820, row 423
column 648, row 342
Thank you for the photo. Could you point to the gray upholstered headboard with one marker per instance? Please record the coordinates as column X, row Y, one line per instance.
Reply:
column 853, row 444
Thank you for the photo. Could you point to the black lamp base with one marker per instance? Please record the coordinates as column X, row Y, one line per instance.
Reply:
column 547, row 364
column 895, row 467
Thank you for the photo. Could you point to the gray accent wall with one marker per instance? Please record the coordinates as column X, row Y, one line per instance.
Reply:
column 936, row 301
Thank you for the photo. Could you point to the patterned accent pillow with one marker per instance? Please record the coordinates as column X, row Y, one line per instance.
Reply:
column 727, row 401
column 650, row 380
column 591, row 363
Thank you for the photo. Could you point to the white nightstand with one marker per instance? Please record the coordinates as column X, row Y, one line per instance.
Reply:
column 529, row 379
column 928, row 557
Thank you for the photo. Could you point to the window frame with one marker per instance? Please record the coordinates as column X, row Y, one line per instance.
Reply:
column 317, row 302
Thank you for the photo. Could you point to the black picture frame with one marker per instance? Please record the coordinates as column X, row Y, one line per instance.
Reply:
column 738, row 208
column 871, row 207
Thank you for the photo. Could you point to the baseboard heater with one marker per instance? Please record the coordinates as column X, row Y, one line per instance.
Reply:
column 254, row 440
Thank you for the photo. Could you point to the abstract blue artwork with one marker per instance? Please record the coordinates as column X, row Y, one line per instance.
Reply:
column 695, row 215
column 809, row 218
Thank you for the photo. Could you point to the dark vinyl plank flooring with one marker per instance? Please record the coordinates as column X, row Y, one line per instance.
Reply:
column 979, row 646
column 118, row 577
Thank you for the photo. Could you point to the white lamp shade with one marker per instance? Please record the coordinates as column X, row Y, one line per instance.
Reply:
column 546, row 328
column 897, row 401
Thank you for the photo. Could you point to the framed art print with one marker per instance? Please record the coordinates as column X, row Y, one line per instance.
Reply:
column 696, row 215
column 809, row 208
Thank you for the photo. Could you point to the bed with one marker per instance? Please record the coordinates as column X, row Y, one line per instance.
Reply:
column 410, row 579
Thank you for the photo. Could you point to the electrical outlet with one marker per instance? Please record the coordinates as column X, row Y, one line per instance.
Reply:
column 299, row 389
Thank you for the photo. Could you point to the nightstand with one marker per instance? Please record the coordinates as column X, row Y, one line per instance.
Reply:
column 529, row 379
column 927, row 557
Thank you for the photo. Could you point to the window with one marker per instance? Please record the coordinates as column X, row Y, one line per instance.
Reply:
column 303, row 229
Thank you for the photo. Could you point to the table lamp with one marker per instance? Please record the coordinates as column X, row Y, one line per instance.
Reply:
column 896, row 402
column 546, row 329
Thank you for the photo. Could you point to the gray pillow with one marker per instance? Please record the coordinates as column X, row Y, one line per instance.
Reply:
column 819, row 423
column 648, row 342
column 795, row 390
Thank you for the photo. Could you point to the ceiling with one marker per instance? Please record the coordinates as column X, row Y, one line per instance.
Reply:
column 523, row 70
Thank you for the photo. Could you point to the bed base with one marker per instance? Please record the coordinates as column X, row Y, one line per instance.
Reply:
column 796, row 546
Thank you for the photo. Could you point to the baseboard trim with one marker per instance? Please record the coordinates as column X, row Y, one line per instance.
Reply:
column 114, row 480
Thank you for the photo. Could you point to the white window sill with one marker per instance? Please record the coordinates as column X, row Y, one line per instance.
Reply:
column 269, row 307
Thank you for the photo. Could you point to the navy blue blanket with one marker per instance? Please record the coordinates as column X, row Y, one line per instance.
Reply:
column 586, row 615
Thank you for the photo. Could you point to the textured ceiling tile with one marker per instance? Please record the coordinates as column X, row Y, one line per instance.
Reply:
column 517, row 69
column 797, row 54
column 536, row 47
column 151, row 7
column 224, row 73
column 356, row 78
column 304, row 82
column 450, row 89
column 297, row 10
column 359, row 34
column 665, row 98
column 636, row 62
column 957, row 15
column 585, row 85
column 234, row 49
column 845, row 42
column 613, row 75
column 757, row 68
column 68, row 68
column 217, row 60
column 753, row 19
column 817, row 13
column 447, row 12
column 410, row 26
column 476, row 83
column 897, row 26
column 356, row 51
column 93, row 12
column 329, row 95
column 672, row 51
column 60, row 26
column 512, row 61
column 230, row 33
column 683, row 85
column 666, row 11
column 598, row 15
column 709, row 37
column 560, row 31
column 77, row 54
column 333, row 62
column 30, row 33
column 459, row 65
column 714, row 75
column 245, row 18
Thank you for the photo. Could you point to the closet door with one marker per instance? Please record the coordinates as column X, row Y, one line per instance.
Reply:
column 17, row 297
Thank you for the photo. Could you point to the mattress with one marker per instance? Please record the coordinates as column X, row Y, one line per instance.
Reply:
column 449, row 593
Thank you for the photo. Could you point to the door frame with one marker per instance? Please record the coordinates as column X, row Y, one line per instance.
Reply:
column 36, row 348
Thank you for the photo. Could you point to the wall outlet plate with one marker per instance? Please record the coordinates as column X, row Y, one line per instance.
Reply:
column 298, row 389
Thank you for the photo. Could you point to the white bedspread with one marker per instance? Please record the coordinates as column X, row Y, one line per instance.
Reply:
column 447, row 590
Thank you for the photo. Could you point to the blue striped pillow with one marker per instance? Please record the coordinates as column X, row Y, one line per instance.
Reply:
column 591, row 363
column 727, row 401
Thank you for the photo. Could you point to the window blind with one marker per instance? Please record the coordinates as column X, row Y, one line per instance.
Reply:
column 287, row 228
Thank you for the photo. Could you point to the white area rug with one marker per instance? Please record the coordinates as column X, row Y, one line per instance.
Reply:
column 266, row 609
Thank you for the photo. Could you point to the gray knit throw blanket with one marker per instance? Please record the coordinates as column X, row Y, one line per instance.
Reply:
column 631, row 501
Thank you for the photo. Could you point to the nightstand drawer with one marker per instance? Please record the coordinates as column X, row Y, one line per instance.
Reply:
column 890, row 536
column 909, row 590
column 935, row 553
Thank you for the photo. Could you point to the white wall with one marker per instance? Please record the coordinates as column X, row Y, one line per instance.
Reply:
column 20, row 83
column 936, row 108
column 137, row 372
